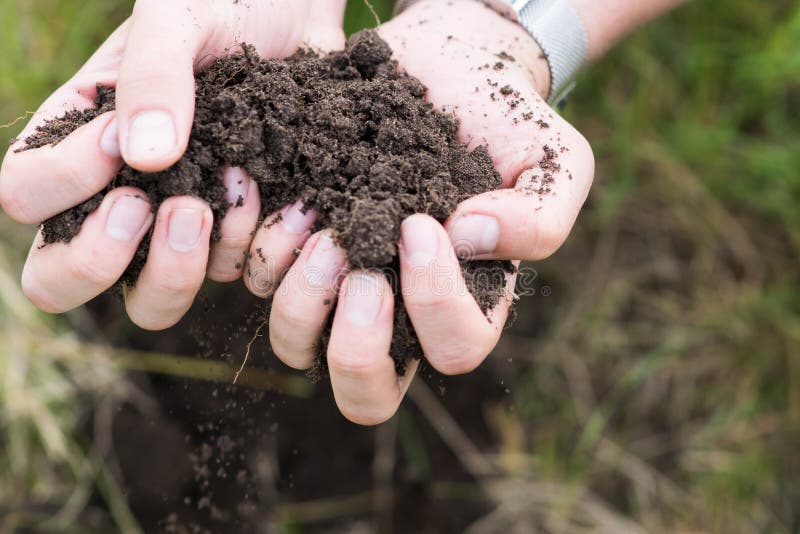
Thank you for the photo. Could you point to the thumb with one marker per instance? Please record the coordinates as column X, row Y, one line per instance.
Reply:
column 532, row 220
column 324, row 30
column 155, row 91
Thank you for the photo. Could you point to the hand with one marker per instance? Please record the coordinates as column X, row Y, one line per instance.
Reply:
column 453, row 48
column 151, row 59
column 467, row 40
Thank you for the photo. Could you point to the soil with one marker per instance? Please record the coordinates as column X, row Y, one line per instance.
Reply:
column 347, row 133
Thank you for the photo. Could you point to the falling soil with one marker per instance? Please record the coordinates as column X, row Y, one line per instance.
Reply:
column 347, row 133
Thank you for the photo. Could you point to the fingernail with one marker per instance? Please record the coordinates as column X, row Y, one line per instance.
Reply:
column 109, row 143
column 151, row 135
column 473, row 235
column 295, row 221
column 185, row 226
column 127, row 217
column 237, row 185
column 363, row 300
column 324, row 262
column 419, row 240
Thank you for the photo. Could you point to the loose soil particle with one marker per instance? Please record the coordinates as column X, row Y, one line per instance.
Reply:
column 348, row 134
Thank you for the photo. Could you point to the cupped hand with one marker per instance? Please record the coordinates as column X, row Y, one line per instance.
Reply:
column 492, row 75
column 151, row 59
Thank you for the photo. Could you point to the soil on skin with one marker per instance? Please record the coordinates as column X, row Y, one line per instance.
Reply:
column 348, row 134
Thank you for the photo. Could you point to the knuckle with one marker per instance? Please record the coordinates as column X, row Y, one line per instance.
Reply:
column 584, row 147
column 8, row 203
column 224, row 266
column 291, row 318
column 426, row 303
column 349, row 364
column 36, row 294
column 78, row 175
column 137, row 80
column 585, row 160
column 457, row 359
column 235, row 243
column 590, row 162
column 9, row 198
column 222, row 273
column 547, row 239
column 539, row 237
column 146, row 321
column 295, row 357
column 93, row 267
column 177, row 283
column 366, row 416
column 292, row 345
column 139, row 85
column 155, row 316
column 259, row 281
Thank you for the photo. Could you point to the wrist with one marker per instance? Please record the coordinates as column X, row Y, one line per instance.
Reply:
column 604, row 25
column 608, row 22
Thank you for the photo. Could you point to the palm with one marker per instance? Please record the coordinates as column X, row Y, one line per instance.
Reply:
column 460, row 49
column 466, row 61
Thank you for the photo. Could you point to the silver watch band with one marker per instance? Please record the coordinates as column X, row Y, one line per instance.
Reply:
column 557, row 29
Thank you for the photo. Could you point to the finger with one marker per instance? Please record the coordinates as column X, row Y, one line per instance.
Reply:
column 59, row 277
column 365, row 385
column 305, row 299
column 273, row 249
column 533, row 220
column 236, row 229
column 155, row 92
column 454, row 333
column 37, row 184
column 324, row 26
column 176, row 264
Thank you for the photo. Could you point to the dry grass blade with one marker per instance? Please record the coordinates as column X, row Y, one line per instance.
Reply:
column 46, row 389
column 247, row 352
column 383, row 467
column 450, row 432
column 324, row 509
column 373, row 12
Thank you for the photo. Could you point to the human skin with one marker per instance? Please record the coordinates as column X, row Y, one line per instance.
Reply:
column 151, row 60
column 608, row 22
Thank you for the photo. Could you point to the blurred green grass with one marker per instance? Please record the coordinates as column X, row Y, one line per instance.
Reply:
column 663, row 374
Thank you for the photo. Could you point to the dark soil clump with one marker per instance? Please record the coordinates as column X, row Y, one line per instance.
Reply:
column 347, row 133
